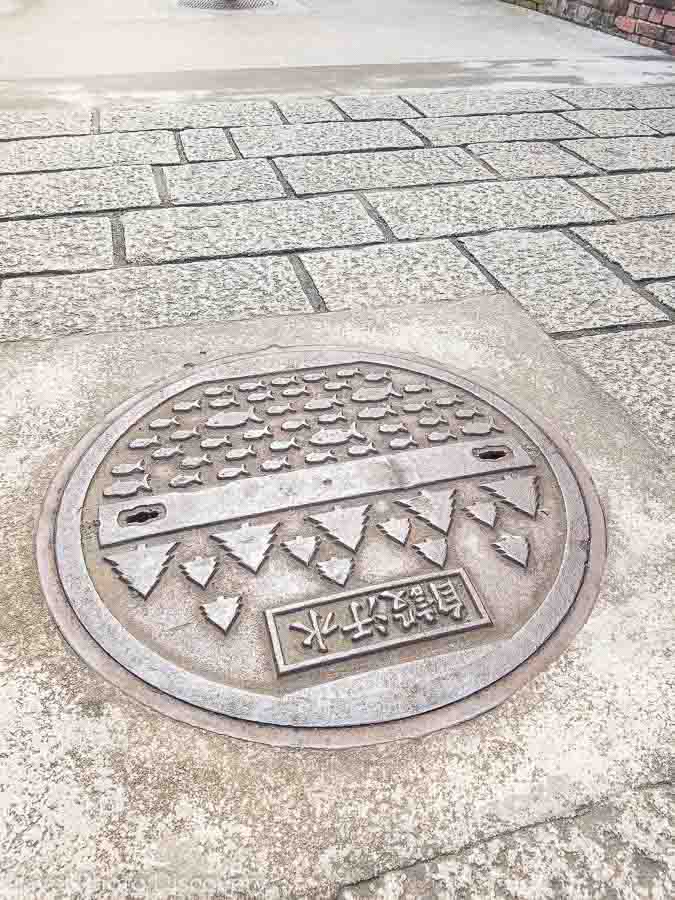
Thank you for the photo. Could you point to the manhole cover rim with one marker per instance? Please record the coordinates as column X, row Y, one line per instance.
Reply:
column 180, row 700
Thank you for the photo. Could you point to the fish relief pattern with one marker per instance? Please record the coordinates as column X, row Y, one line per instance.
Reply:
column 297, row 519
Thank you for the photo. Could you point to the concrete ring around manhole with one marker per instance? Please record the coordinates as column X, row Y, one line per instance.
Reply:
column 321, row 547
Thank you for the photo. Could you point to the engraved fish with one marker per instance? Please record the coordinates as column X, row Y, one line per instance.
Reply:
column 167, row 452
column 294, row 424
column 232, row 472
column 213, row 443
column 296, row 391
column 331, row 418
column 283, row 380
column 217, row 389
column 466, row 412
column 374, row 395
column 393, row 428
column 362, row 450
column 417, row 387
column 256, row 396
column 184, row 435
column 144, row 443
column 331, row 437
column 252, row 386
column 418, row 407
column 224, row 402
column 320, row 457
column 128, row 468
column 273, row 465
column 181, row 481
column 377, row 376
column 315, row 405
column 315, row 376
column 280, row 410
column 403, row 443
column 195, row 462
column 158, row 424
column 348, row 373
column 430, row 421
column 283, row 446
column 448, row 400
column 438, row 437
column 234, row 419
column 336, row 385
column 376, row 412
column 240, row 453
column 187, row 405
column 256, row 434
column 481, row 427
column 127, row 488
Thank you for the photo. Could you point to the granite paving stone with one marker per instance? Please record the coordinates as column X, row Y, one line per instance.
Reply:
column 626, row 153
column 465, row 103
column 222, row 182
column 25, row 123
column 563, row 286
column 530, row 159
column 269, row 225
column 308, row 109
column 630, row 196
column 54, row 245
column 149, row 297
column 651, row 97
column 202, row 144
column 594, row 98
column 461, row 209
column 394, row 274
column 88, row 151
column 610, row 122
column 637, row 368
column 375, row 106
column 147, row 116
column 643, row 249
column 664, row 291
column 82, row 190
column 323, row 137
column 389, row 168
column 517, row 127
column 661, row 119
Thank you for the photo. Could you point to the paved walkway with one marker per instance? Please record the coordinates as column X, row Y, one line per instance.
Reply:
column 147, row 215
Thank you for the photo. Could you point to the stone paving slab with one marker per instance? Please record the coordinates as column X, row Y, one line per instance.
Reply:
column 637, row 368
column 626, row 153
column 661, row 119
column 167, row 235
column 594, row 97
column 200, row 144
column 560, row 284
column 651, row 97
column 439, row 211
column 89, row 151
column 611, row 122
column 387, row 168
column 375, row 106
column 153, row 115
column 148, row 297
column 530, row 159
column 26, row 123
column 473, row 103
column 55, row 244
column 308, row 109
column 643, row 249
column 630, row 196
column 222, row 182
column 83, row 190
column 664, row 291
column 393, row 275
column 323, row 137
column 516, row 127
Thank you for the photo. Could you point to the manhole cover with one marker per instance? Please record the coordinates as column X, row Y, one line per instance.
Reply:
column 311, row 541
column 233, row 5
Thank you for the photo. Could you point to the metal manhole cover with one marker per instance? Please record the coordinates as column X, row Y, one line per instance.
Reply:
column 307, row 542
column 233, row 5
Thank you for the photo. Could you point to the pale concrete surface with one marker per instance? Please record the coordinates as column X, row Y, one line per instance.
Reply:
column 103, row 797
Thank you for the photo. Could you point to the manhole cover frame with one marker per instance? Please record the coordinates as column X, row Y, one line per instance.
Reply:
column 574, row 592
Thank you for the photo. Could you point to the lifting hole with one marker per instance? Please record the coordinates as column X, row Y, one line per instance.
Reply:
column 141, row 514
column 491, row 452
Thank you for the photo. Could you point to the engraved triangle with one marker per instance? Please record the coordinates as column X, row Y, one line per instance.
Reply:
column 434, row 549
column 433, row 507
column 520, row 492
column 396, row 529
column 514, row 547
column 200, row 569
column 141, row 567
column 249, row 545
column 336, row 569
column 302, row 548
column 346, row 524
column 222, row 611
column 484, row 511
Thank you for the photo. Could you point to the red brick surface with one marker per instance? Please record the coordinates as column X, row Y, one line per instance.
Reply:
column 669, row 20
column 649, row 30
column 625, row 24
column 656, row 16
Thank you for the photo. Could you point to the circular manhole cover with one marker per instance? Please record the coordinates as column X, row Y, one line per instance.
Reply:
column 320, row 547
